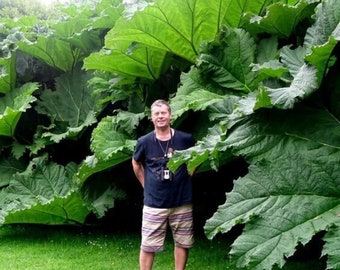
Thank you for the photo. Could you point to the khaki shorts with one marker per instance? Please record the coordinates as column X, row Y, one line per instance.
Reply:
column 154, row 227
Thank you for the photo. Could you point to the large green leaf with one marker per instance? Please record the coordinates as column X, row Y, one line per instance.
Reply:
column 303, row 84
column 108, row 140
column 144, row 62
column 72, row 107
column 7, row 74
column 174, row 26
column 92, row 165
column 275, row 22
column 24, row 23
column 60, row 211
column 8, row 167
column 100, row 192
column 224, row 70
column 196, row 100
column 331, row 248
column 292, row 188
column 257, row 139
column 292, row 209
column 111, row 144
column 75, row 31
column 323, row 36
column 43, row 193
column 227, row 60
column 107, row 14
column 211, row 150
column 278, row 88
column 13, row 104
column 137, row 46
column 53, row 51
column 238, row 11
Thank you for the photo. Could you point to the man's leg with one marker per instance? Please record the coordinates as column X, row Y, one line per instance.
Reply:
column 181, row 257
column 154, row 225
column 146, row 260
column 181, row 223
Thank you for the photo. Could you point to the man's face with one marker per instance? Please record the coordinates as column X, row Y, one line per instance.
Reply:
column 160, row 116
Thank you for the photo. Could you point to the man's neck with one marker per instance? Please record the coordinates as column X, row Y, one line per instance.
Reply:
column 164, row 134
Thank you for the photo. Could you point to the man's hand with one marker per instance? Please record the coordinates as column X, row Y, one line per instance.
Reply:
column 138, row 169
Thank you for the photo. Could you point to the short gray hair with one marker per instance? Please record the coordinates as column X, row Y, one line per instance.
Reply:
column 160, row 102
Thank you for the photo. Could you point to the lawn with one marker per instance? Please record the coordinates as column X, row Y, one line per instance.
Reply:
column 73, row 248
column 61, row 248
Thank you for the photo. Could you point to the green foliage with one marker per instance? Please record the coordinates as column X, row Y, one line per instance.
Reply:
column 291, row 188
column 13, row 104
column 43, row 193
column 7, row 74
column 17, row 8
column 8, row 167
column 262, row 75
column 72, row 105
column 138, row 46
column 111, row 144
column 44, row 86
column 274, row 20
column 54, row 52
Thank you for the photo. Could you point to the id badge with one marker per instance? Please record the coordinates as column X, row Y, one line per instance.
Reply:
column 166, row 174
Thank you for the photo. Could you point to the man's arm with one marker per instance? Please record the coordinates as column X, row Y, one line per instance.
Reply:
column 138, row 169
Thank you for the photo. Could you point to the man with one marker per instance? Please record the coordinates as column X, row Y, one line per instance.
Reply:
column 167, row 195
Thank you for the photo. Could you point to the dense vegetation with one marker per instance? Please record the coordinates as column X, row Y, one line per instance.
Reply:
column 17, row 8
column 252, row 80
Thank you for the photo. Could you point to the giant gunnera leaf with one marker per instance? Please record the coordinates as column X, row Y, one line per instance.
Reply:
column 111, row 144
column 292, row 190
column 137, row 45
column 13, row 104
column 71, row 108
column 44, row 193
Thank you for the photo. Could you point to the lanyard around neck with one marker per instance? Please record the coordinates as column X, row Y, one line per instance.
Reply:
column 165, row 151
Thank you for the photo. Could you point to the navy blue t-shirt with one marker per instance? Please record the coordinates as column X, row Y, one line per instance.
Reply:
column 160, row 192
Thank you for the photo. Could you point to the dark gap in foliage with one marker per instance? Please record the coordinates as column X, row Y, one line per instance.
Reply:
column 210, row 189
column 168, row 82
column 143, row 127
column 27, row 125
column 69, row 150
column 30, row 68
column 126, row 215
column 110, row 109
column 196, row 123
column 309, row 253
column 331, row 87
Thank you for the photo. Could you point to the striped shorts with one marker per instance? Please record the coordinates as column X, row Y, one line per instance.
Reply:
column 154, row 227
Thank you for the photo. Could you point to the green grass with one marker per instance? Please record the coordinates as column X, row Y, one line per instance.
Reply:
column 58, row 248
column 65, row 248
